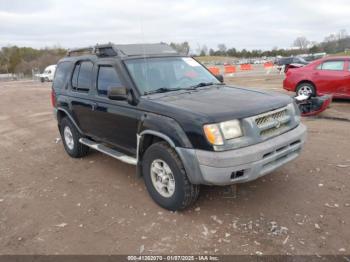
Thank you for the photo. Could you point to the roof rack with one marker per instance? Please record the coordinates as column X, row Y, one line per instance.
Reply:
column 99, row 50
column 80, row 50
column 110, row 49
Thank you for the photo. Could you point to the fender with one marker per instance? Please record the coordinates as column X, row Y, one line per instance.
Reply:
column 70, row 117
column 158, row 134
column 187, row 156
column 165, row 128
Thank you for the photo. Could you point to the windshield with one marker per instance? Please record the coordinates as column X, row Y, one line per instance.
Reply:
column 153, row 75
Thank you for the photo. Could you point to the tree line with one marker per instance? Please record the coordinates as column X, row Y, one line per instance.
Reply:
column 15, row 59
column 332, row 44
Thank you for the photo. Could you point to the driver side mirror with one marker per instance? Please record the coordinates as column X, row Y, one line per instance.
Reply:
column 117, row 93
column 220, row 78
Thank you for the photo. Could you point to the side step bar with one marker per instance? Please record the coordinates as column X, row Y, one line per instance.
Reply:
column 108, row 151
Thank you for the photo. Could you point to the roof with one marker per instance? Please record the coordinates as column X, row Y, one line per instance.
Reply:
column 145, row 49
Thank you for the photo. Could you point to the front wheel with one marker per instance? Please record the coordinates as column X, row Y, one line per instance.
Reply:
column 166, row 179
column 306, row 89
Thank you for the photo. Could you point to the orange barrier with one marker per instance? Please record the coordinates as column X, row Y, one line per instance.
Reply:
column 230, row 69
column 268, row 64
column 246, row 67
column 214, row 70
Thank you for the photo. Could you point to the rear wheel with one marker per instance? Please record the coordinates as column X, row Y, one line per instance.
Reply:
column 70, row 137
column 306, row 89
column 166, row 179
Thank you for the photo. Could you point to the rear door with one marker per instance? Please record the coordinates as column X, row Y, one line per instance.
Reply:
column 329, row 77
column 81, row 103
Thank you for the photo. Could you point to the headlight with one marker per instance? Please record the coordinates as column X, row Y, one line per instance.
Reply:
column 231, row 129
column 216, row 133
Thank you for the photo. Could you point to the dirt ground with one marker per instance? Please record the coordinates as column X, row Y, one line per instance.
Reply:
column 53, row 204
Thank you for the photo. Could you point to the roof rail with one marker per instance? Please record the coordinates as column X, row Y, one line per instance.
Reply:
column 99, row 50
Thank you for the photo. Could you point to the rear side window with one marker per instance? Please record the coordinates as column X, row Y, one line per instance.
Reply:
column 81, row 79
column 61, row 75
column 332, row 65
column 107, row 78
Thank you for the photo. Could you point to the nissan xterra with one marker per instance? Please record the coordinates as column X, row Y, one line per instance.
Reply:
column 181, row 126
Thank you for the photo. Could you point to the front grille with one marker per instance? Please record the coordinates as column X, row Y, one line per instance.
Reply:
column 273, row 123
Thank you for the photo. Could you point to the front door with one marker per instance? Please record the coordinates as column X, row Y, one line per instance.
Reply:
column 115, row 122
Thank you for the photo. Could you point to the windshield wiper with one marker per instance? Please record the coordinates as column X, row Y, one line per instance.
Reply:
column 166, row 89
column 161, row 90
column 202, row 84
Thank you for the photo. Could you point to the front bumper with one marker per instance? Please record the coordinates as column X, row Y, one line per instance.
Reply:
column 244, row 164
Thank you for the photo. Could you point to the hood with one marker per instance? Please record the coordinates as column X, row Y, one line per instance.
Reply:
column 215, row 104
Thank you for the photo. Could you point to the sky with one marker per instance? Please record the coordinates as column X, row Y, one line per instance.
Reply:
column 241, row 24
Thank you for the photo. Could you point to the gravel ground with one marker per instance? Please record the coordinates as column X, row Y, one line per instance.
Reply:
column 53, row 204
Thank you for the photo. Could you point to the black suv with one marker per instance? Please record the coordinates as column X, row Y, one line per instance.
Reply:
column 149, row 106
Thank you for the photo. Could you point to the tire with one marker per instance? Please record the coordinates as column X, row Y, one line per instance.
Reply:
column 70, row 138
column 183, row 194
column 306, row 89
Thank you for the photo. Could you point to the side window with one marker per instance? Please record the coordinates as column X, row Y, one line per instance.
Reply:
column 332, row 65
column 62, row 74
column 81, row 79
column 107, row 78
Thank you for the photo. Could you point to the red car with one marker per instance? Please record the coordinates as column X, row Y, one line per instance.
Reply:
column 330, row 75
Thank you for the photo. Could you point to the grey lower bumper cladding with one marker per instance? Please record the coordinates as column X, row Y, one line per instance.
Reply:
column 252, row 162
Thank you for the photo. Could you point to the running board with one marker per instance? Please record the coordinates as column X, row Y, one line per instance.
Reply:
column 108, row 151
